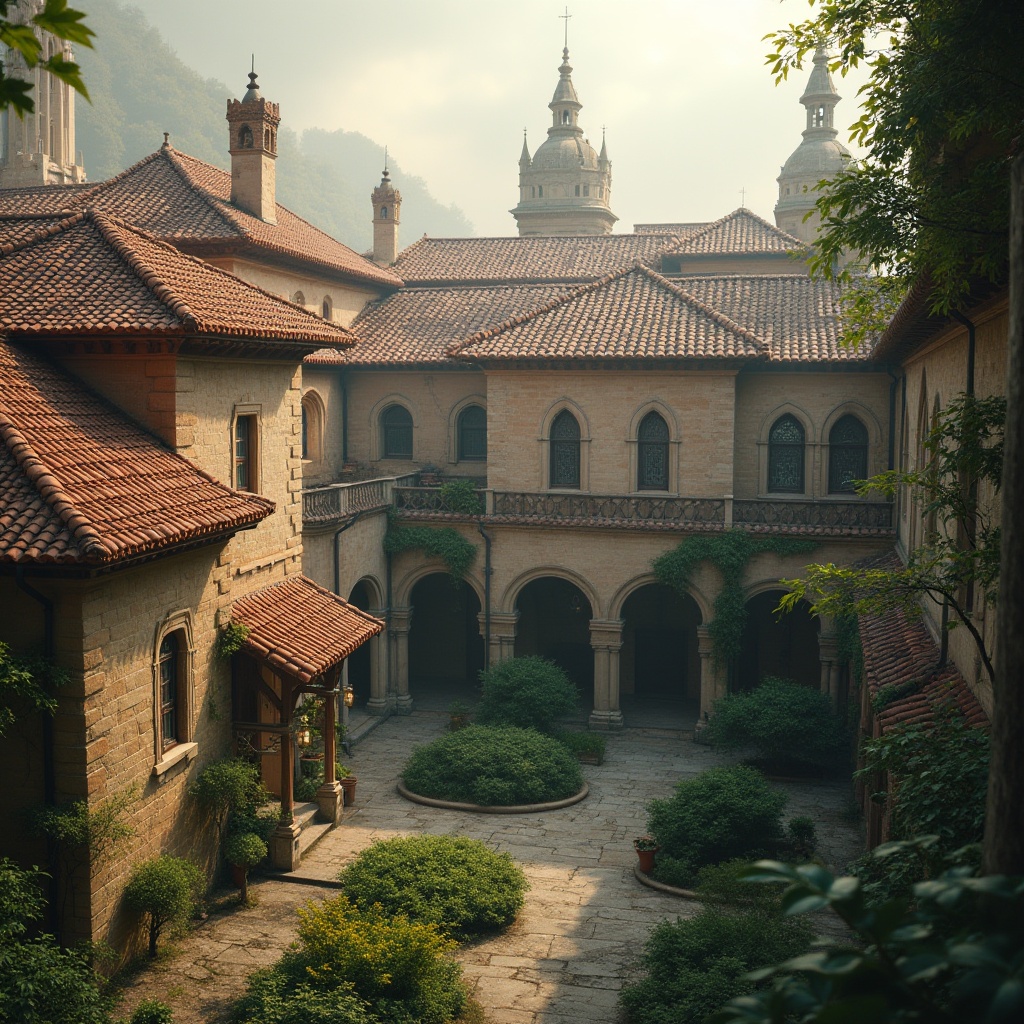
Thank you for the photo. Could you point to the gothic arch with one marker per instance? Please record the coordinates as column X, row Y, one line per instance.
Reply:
column 874, row 430
column 763, row 435
column 671, row 421
column 560, row 405
column 512, row 591
column 646, row 579
column 299, row 299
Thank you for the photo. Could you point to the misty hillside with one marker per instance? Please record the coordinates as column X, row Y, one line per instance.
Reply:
column 140, row 89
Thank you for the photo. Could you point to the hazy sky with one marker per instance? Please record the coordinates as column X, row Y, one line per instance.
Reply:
column 692, row 113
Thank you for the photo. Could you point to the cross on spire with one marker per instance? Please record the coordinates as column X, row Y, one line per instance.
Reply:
column 565, row 17
column 743, row 198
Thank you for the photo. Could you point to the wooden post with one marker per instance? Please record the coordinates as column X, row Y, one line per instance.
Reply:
column 284, row 840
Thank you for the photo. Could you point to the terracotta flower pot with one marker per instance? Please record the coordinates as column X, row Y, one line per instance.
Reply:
column 646, row 858
column 348, row 788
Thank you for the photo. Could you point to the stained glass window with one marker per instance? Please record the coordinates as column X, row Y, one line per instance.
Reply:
column 169, row 691
column 847, row 455
column 786, row 455
column 396, row 427
column 652, row 454
column 565, row 450
column 472, row 434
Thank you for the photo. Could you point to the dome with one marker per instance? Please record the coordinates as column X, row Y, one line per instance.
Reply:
column 817, row 158
column 561, row 152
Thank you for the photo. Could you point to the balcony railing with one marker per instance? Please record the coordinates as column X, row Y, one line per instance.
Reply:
column 338, row 501
column 827, row 514
column 617, row 508
column 434, row 499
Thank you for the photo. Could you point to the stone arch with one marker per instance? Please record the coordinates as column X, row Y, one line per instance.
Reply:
column 785, row 647
column 453, row 422
column 615, row 605
column 512, row 591
column 327, row 308
column 403, row 588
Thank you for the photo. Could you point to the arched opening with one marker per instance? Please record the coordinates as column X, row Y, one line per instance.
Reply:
column 245, row 139
column 472, row 434
column 565, row 451
column 786, row 455
column 659, row 644
column 383, row 213
column 446, row 650
column 359, row 665
column 652, row 454
column 554, row 622
column 396, row 433
column 299, row 299
column 327, row 308
column 847, row 455
column 773, row 645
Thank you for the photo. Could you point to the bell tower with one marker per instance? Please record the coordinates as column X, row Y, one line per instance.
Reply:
column 387, row 205
column 252, row 128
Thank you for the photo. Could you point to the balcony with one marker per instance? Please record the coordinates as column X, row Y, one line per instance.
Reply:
column 322, row 506
column 825, row 515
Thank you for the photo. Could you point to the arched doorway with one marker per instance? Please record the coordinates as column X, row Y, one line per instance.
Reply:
column 554, row 622
column 359, row 664
column 446, row 650
column 774, row 645
column 659, row 644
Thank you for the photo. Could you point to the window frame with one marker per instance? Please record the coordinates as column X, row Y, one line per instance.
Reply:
column 863, row 448
column 642, row 444
column 248, row 462
column 387, row 452
column 557, row 445
column 168, row 752
column 775, row 446
column 460, row 432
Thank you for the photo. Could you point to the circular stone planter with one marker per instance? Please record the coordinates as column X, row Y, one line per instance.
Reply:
column 672, row 890
column 451, row 805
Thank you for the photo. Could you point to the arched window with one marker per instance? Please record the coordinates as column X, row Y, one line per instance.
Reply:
column 786, row 455
column 299, row 299
column 327, row 307
column 540, row 191
column 396, row 433
column 565, row 451
column 245, row 140
column 383, row 213
column 169, row 671
column 472, row 430
column 652, row 454
column 565, row 117
column 847, row 455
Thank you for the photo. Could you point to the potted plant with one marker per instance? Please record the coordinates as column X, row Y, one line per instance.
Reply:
column 646, row 847
column 430, row 475
column 459, row 712
column 348, row 782
column 244, row 850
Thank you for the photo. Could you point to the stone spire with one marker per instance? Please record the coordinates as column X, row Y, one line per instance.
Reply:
column 565, row 188
column 387, row 205
column 819, row 156
column 252, row 143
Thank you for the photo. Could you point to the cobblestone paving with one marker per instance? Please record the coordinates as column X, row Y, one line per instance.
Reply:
column 586, row 917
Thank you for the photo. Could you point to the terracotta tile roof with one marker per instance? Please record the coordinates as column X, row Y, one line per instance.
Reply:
column 679, row 230
column 546, row 258
column 188, row 202
column 737, row 233
column 42, row 199
column 634, row 314
column 81, row 483
column 92, row 274
column 417, row 326
column 17, row 229
column 900, row 651
column 299, row 628
column 798, row 317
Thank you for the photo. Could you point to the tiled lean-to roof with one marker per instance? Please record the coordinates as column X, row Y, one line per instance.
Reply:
column 96, row 275
column 299, row 628
column 82, row 483
column 417, row 326
column 632, row 315
column 739, row 232
column 544, row 258
column 188, row 202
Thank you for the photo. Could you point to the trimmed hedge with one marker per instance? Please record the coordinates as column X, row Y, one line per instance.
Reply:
column 493, row 767
column 529, row 692
column 455, row 883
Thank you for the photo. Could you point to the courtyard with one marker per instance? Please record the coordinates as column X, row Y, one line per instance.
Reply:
column 580, row 935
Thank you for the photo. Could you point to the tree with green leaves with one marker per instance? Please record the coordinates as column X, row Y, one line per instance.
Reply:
column 20, row 38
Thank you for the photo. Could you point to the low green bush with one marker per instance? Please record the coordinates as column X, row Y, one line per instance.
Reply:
column 693, row 966
column 455, row 883
column 349, row 961
column 582, row 744
column 530, row 693
column 231, row 788
column 167, row 890
column 493, row 767
column 152, row 1011
column 721, row 814
column 788, row 727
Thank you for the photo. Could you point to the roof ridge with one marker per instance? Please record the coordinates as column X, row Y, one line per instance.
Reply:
column 708, row 229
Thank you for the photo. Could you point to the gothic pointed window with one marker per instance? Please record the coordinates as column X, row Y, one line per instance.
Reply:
column 652, row 454
column 396, row 431
column 472, row 430
column 169, row 667
column 847, row 455
column 565, row 451
column 786, row 455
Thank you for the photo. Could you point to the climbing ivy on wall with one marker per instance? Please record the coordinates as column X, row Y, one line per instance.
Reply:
column 448, row 544
column 729, row 553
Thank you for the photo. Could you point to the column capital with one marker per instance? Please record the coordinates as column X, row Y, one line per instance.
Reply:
column 705, row 643
column 401, row 620
column 606, row 633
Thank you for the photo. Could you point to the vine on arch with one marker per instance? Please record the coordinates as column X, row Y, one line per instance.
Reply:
column 446, row 543
column 729, row 553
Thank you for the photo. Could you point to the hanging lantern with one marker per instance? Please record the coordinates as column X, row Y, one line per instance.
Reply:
column 349, row 696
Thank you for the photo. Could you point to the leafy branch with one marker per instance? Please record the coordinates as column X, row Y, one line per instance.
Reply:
column 447, row 544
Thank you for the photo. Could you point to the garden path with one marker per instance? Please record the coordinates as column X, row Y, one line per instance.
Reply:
column 581, row 932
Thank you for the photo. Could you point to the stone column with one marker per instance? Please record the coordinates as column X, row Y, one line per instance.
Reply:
column 828, row 653
column 401, row 621
column 378, row 704
column 606, row 641
column 328, row 796
column 713, row 681
column 284, row 840
column 502, row 641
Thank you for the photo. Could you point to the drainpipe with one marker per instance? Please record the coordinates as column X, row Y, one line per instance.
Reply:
column 344, row 417
column 487, row 594
column 387, row 619
column 893, row 381
column 49, row 769
column 337, row 548
column 970, row 349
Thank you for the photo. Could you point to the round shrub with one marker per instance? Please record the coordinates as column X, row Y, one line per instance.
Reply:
column 167, row 889
column 152, row 1011
column 272, row 998
column 786, row 725
column 720, row 814
column 449, row 881
column 493, row 767
column 528, row 692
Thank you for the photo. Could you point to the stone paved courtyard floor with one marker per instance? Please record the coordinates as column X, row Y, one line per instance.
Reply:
column 581, row 932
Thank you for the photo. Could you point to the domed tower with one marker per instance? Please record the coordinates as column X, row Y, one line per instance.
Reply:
column 820, row 155
column 566, row 187
column 40, row 148
column 253, row 123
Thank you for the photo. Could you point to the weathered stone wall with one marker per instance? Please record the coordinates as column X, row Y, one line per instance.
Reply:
column 361, row 551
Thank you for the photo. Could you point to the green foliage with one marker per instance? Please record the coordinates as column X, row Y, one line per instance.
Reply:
column 788, row 726
column 447, row 544
column 950, row 953
column 940, row 121
column 231, row 788
column 716, row 816
column 167, row 889
column 692, row 966
column 802, row 835
column 399, row 970
column 62, row 21
column 26, row 685
column 528, row 692
column 460, row 496
column 232, row 639
column 152, row 1011
column 964, row 449
column 493, row 766
column 246, row 849
column 21, row 898
column 729, row 553
column 582, row 744
column 455, row 883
